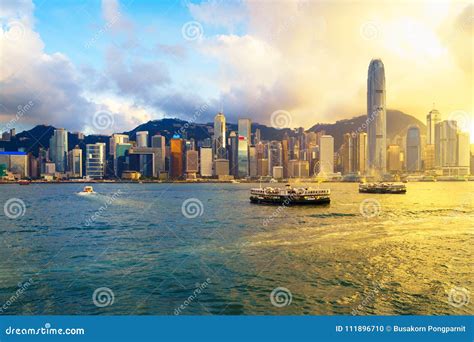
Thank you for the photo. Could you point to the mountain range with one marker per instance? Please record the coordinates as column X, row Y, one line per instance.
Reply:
column 397, row 125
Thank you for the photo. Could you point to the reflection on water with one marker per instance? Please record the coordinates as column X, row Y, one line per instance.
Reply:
column 405, row 259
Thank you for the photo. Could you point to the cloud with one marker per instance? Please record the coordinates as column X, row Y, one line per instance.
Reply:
column 29, row 75
column 311, row 58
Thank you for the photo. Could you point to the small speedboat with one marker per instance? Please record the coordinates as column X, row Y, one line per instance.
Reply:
column 24, row 182
column 87, row 190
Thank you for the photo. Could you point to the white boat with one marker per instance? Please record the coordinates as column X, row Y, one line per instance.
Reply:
column 290, row 196
column 87, row 190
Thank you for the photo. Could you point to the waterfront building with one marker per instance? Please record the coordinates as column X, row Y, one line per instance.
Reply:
column 285, row 155
column 326, row 155
column 159, row 142
column 58, row 149
column 49, row 168
column 142, row 139
column 221, row 167
column 258, row 136
column 376, row 119
column 428, row 157
column 252, row 161
column 274, row 155
column 244, row 127
column 432, row 119
column 413, row 149
column 75, row 162
column 219, row 136
column 394, row 159
column 121, row 162
column 206, row 162
column 95, row 160
column 145, row 160
column 446, row 133
column 277, row 172
column 349, row 154
column 463, row 153
column 298, row 168
column 361, row 150
column 233, row 145
column 116, row 139
column 16, row 163
column 192, row 165
column 262, row 167
column 177, row 156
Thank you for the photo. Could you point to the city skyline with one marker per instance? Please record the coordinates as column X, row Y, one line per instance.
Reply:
column 122, row 65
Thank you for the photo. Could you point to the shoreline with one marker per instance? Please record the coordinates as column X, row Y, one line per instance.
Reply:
column 206, row 182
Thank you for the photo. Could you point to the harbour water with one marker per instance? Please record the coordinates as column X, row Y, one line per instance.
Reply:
column 165, row 249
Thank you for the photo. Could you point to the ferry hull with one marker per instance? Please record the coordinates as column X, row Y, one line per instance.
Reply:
column 382, row 191
column 288, row 201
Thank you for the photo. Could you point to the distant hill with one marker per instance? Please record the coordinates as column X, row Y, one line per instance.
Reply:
column 32, row 140
column 397, row 124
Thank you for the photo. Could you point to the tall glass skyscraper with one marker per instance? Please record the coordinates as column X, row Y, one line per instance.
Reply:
column 219, row 136
column 244, row 127
column 413, row 153
column 376, row 119
column 432, row 119
column 58, row 149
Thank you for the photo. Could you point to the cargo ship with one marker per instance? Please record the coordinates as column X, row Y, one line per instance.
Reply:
column 382, row 188
column 290, row 196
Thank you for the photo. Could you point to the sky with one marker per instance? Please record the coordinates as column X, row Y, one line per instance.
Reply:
column 103, row 67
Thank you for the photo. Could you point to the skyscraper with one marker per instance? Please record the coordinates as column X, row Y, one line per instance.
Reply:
column 75, row 162
column 159, row 142
column 432, row 119
column 326, row 156
column 58, row 149
column 177, row 156
column 142, row 139
column 219, row 136
column 413, row 149
column 446, row 144
column 95, row 160
column 376, row 119
column 244, row 127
